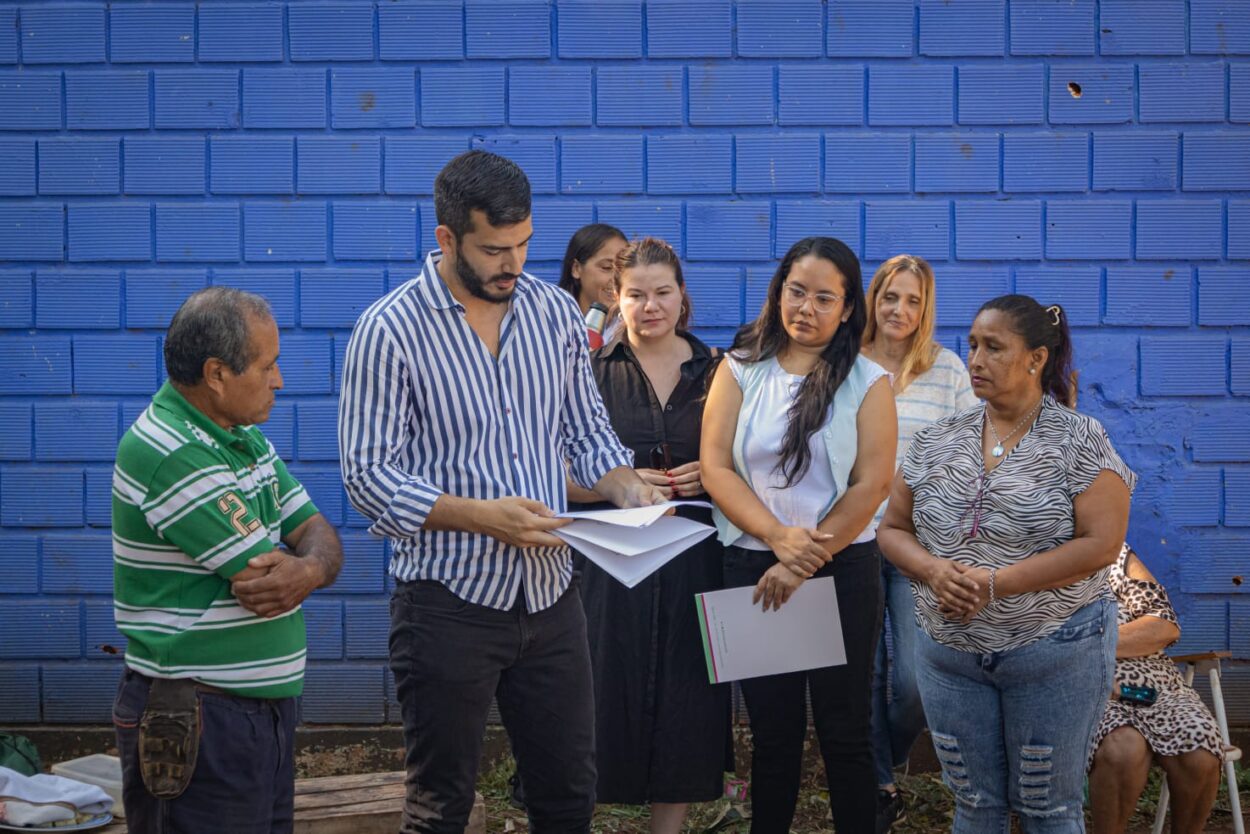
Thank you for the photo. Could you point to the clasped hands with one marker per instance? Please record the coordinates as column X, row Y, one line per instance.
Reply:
column 679, row 482
column 961, row 591
column 800, row 553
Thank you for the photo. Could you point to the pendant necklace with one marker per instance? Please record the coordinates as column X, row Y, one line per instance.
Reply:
column 998, row 450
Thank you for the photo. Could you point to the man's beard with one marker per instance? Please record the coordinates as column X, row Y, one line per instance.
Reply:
column 476, row 285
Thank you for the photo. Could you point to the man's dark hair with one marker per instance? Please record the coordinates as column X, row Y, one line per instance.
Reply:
column 484, row 181
column 211, row 324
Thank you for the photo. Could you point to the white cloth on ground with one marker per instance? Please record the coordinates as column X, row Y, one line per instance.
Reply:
column 44, row 798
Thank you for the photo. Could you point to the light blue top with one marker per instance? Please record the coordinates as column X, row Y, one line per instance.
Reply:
column 839, row 434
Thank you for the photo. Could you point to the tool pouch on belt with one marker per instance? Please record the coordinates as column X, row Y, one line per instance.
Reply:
column 169, row 737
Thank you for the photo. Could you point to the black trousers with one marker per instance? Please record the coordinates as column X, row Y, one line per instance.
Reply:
column 450, row 657
column 841, row 700
column 244, row 779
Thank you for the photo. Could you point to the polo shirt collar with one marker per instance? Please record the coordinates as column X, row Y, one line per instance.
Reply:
column 169, row 398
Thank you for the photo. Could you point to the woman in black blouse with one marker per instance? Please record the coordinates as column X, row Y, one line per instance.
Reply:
column 662, row 731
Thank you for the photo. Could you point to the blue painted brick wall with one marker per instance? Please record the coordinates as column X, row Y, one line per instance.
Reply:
column 1056, row 162
column 992, row 94
column 251, row 164
column 1088, row 152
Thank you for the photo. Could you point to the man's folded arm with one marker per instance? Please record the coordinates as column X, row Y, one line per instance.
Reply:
column 195, row 503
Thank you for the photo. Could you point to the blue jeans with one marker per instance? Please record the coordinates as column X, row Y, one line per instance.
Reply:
column 1012, row 729
column 897, row 723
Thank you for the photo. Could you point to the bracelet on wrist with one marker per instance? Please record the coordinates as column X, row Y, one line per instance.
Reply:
column 993, row 573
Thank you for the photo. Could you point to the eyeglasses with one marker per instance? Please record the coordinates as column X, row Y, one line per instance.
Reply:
column 662, row 457
column 976, row 507
column 822, row 302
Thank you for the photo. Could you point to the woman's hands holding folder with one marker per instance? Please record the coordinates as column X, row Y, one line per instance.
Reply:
column 776, row 586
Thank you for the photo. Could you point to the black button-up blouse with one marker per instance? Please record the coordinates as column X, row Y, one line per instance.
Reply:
column 625, row 389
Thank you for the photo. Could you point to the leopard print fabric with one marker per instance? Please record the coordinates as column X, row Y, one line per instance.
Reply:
column 1178, row 722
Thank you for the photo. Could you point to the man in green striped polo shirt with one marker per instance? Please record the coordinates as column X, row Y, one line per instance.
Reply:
column 215, row 546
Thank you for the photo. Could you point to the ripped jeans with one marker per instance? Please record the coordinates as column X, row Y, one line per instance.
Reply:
column 1012, row 729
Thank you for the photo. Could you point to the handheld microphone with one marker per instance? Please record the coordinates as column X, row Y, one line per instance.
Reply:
column 596, row 320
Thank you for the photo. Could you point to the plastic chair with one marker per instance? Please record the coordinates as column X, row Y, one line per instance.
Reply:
column 1209, row 663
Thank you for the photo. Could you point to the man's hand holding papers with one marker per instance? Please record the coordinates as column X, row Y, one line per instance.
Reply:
column 631, row 544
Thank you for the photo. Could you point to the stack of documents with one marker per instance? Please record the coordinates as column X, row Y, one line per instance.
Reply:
column 632, row 544
column 742, row 640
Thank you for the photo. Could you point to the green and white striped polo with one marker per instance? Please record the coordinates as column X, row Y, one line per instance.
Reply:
column 192, row 502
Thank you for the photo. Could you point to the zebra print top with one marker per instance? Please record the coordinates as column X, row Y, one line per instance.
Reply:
column 1026, row 508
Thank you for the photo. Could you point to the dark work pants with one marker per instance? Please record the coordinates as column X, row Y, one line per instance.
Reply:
column 244, row 779
column 450, row 657
column 841, row 699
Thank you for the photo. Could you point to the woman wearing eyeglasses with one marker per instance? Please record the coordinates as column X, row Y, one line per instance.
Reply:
column 1006, row 519
column 930, row 382
column 798, row 449
column 662, row 732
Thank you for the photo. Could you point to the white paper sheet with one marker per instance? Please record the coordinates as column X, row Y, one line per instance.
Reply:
column 634, row 516
column 742, row 640
column 630, row 554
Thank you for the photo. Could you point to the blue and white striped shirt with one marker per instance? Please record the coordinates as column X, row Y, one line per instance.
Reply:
column 427, row 410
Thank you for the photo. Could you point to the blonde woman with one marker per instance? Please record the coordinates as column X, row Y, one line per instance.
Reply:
column 930, row 382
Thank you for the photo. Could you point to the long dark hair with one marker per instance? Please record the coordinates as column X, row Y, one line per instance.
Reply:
column 1042, row 327
column 765, row 337
column 647, row 252
column 583, row 245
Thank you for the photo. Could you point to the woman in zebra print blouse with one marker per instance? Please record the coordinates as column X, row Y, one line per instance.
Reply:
column 1006, row 519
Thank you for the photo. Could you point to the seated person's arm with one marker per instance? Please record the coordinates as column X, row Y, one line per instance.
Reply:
column 1154, row 630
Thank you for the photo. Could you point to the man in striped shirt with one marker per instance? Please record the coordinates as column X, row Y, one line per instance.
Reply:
column 215, row 546
column 466, row 391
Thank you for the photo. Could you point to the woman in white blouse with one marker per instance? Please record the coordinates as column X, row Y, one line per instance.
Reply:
column 930, row 382
column 798, row 445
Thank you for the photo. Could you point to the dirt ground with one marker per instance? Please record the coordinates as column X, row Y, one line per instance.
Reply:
column 333, row 751
column 929, row 808
column 929, row 805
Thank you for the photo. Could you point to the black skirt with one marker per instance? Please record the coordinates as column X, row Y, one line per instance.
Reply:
column 662, row 731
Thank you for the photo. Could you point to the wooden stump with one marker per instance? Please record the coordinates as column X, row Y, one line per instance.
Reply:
column 363, row 803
